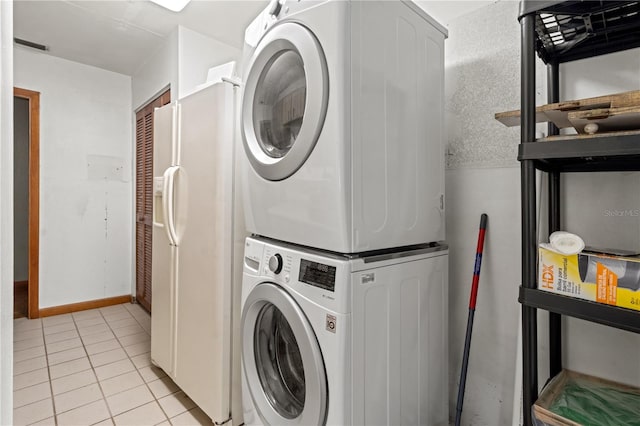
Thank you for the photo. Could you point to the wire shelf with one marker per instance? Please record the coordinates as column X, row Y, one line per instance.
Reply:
column 573, row 30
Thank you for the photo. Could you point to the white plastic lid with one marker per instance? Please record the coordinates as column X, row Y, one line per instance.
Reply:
column 566, row 243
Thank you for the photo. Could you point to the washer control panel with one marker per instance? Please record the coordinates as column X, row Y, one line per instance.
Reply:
column 317, row 274
column 276, row 263
column 321, row 278
column 283, row 267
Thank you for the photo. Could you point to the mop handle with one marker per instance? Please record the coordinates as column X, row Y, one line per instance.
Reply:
column 476, row 267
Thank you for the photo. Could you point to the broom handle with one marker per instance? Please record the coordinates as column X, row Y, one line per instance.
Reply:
column 472, row 310
column 476, row 268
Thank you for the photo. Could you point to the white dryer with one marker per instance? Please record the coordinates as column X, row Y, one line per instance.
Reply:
column 338, row 340
column 342, row 123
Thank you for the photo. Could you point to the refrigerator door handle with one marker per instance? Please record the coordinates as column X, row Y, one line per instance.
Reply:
column 169, row 205
column 175, row 134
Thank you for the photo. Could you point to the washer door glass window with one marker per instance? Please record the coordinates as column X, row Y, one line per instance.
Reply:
column 284, row 101
column 279, row 362
column 278, row 106
column 283, row 366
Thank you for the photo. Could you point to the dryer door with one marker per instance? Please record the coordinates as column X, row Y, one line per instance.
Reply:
column 285, row 100
column 282, row 361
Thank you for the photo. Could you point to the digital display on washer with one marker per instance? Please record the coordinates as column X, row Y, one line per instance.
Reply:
column 317, row 274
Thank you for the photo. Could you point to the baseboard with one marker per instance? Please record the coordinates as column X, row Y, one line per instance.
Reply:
column 83, row 306
column 17, row 284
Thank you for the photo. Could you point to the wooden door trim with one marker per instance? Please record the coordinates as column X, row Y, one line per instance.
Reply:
column 34, row 196
column 144, row 193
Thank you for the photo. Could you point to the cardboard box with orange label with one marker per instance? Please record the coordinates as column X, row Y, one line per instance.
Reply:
column 614, row 280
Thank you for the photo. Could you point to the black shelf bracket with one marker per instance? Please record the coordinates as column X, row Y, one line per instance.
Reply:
column 612, row 316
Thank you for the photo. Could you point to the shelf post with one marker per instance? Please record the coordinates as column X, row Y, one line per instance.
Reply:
column 553, row 92
column 528, row 200
column 555, row 320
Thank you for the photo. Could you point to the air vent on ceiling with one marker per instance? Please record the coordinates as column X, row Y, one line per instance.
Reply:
column 31, row 44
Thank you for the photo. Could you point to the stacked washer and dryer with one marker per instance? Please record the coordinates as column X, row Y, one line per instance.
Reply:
column 344, row 297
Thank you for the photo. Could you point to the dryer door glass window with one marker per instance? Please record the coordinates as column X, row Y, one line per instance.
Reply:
column 279, row 362
column 278, row 105
column 285, row 100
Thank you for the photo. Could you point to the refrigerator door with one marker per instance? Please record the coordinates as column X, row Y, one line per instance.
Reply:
column 204, row 223
column 164, row 254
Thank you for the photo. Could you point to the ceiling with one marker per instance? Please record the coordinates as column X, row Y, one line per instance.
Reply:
column 120, row 35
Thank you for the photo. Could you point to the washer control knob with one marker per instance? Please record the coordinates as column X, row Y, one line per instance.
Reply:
column 274, row 7
column 275, row 263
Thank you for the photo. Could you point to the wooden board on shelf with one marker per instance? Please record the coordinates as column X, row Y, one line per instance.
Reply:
column 584, row 136
column 558, row 113
column 607, row 119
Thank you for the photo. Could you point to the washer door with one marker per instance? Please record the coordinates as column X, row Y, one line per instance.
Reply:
column 285, row 100
column 282, row 361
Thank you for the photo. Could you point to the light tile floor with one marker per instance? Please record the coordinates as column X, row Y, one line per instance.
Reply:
column 93, row 367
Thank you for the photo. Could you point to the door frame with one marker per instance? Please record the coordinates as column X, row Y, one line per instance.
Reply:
column 161, row 98
column 34, row 198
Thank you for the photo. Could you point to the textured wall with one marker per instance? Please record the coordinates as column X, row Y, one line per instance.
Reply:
column 482, row 78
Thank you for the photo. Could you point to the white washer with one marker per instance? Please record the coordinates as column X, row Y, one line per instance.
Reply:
column 338, row 340
column 342, row 123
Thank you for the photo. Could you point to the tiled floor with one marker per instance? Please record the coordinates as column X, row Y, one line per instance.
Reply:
column 93, row 367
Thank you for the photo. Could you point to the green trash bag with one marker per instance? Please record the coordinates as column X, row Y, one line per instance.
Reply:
column 597, row 404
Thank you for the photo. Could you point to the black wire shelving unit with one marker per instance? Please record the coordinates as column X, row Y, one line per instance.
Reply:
column 559, row 32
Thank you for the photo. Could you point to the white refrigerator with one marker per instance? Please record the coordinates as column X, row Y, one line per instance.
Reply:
column 193, row 246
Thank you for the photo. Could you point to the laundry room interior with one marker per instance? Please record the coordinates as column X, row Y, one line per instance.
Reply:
column 301, row 212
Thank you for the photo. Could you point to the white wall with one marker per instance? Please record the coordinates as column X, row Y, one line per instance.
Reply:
column 6, row 212
column 157, row 73
column 482, row 78
column 21, row 189
column 85, row 178
column 181, row 63
column 196, row 54
column 613, row 73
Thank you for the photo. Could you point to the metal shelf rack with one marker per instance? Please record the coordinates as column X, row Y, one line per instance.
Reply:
column 563, row 31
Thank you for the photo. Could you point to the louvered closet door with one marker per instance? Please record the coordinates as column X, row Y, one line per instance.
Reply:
column 144, row 197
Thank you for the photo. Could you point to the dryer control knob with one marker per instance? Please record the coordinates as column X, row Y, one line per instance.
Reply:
column 275, row 263
column 274, row 7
